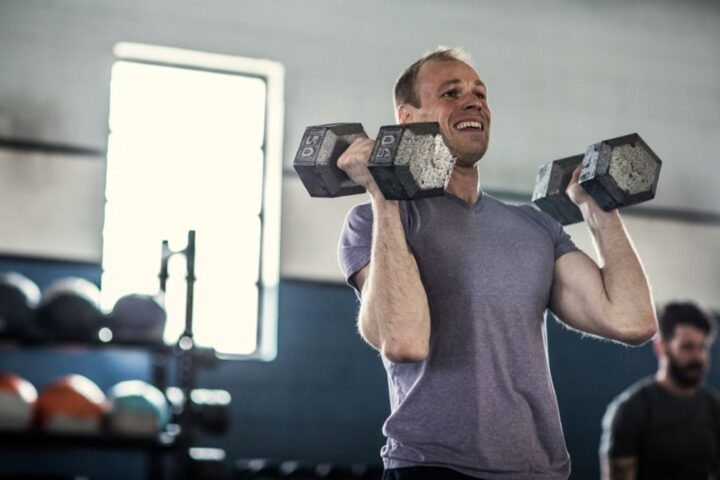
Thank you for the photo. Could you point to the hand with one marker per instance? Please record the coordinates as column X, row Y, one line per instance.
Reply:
column 575, row 191
column 594, row 216
column 354, row 161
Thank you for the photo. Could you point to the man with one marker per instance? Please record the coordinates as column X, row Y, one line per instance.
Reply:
column 668, row 427
column 453, row 295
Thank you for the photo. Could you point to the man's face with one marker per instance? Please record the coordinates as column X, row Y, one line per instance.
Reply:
column 452, row 94
column 688, row 354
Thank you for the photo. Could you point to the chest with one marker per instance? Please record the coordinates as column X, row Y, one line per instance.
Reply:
column 490, row 255
column 682, row 433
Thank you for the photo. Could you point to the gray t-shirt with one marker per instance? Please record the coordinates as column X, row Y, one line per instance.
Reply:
column 482, row 402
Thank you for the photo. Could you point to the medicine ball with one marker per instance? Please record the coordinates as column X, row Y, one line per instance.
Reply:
column 17, row 401
column 19, row 296
column 137, row 409
column 70, row 310
column 137, row 318
column 72, row 404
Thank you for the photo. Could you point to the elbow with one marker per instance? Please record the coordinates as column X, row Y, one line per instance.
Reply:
column 642, row 333
column 405, row 351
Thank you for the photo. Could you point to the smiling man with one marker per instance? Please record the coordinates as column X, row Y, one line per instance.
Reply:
column 668, row 427
column 454, row 291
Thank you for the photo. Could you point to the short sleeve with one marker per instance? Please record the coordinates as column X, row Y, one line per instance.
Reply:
column 354, row 245
column 561, row 239
column 623, row 426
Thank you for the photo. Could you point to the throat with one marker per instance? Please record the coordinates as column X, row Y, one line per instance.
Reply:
column 464, row 183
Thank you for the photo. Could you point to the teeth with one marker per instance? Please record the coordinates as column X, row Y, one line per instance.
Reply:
column 464, row 125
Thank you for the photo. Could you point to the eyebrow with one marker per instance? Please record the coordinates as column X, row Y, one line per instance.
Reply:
column 454, row 81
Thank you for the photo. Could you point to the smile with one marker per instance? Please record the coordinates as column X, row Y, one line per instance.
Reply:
column 472, row 125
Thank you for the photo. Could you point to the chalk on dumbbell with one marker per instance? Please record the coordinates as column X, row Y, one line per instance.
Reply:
column 316, row 159
column 411, row 161
column 620, row 172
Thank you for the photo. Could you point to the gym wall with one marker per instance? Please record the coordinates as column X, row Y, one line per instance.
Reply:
column 561, row 74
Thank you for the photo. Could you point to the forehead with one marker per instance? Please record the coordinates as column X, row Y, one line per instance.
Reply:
column 689, row 333
column 435, row 73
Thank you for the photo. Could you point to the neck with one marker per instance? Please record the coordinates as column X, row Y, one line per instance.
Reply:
column 666, row 382
column 464, row 183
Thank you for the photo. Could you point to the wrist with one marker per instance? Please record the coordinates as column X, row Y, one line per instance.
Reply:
column 597, row 218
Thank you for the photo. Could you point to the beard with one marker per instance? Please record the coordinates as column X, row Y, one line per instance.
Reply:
column 687, row 376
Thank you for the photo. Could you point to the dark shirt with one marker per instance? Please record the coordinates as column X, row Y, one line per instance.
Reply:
column 672, row 437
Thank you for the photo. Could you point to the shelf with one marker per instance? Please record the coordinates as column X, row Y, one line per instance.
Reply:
column 165, row 441
column 10, row 342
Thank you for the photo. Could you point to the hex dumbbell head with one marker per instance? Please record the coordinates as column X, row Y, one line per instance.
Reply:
column 411, row 161
column 549, row 194
column 621, row 171
column 316, row 159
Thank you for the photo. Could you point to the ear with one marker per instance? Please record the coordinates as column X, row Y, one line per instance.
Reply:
column 659, row 347
column 405, row 113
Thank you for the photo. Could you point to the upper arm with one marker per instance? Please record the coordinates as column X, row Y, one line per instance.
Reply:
column 623, row 425
column 578, row 295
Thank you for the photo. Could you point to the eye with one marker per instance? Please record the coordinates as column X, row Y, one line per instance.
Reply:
column 480, row 95
column 451, row 93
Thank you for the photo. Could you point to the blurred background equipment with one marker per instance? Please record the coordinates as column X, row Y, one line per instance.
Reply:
column 17, row 402
column 210, row 410
column 19, row 296
column 137, row 318
column 72, row 404
column 207, row 463
column 256, row 469
column 137, row 408
column 70, row 310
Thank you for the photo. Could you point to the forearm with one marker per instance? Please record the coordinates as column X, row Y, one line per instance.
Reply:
column 629, row 304
column 394, row 316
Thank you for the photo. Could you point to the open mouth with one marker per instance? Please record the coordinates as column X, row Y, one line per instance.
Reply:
column 469, row 125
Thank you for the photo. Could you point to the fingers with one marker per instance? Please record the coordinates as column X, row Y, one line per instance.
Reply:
column 575, row 178
column 574, row 190
column 357, row 154
column 354, row 161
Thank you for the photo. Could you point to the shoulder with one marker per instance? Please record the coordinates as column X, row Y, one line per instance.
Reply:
column 633, row 399
column 362, row 211
column 712, row 396
column 542, row 219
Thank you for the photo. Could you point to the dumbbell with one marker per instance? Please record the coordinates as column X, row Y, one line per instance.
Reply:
column 408, row 161
column 210, row 410
column 206, row 463
column 616, row 173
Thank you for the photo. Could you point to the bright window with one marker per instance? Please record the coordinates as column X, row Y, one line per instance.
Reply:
column 195, row 144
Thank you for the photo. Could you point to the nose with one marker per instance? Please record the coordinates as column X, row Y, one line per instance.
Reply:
column 470, row 101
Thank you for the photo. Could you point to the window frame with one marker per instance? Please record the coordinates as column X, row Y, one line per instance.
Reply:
column 273, row 74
